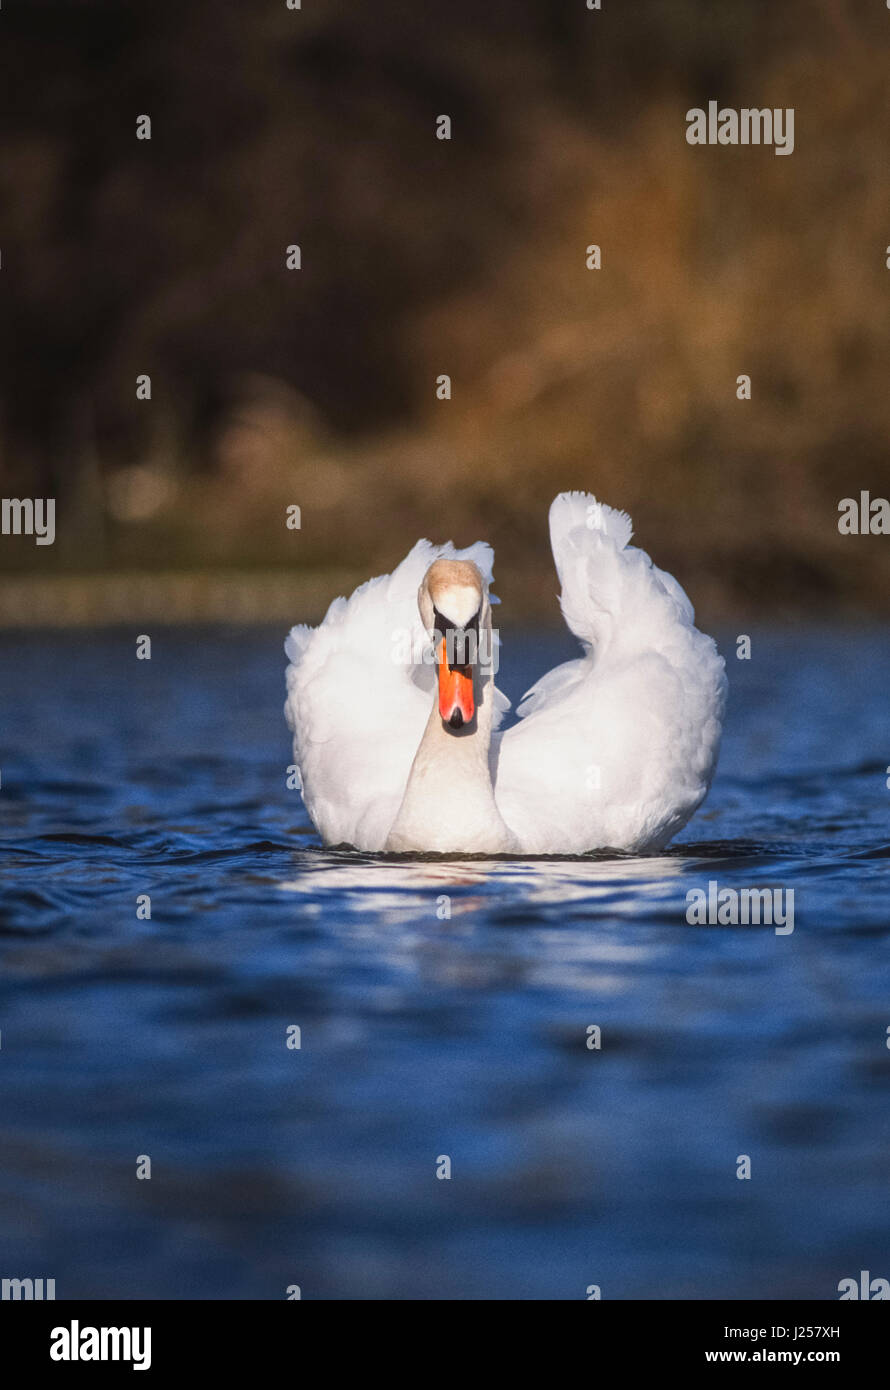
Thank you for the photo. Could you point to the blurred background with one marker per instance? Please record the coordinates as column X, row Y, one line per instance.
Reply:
column 273, row 387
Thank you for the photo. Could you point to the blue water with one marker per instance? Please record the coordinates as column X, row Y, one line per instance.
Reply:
column 424, row 1037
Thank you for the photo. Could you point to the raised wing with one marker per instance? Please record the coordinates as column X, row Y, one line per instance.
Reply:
column 616, row 749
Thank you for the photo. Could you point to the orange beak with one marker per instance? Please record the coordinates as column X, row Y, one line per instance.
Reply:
column 456, row 704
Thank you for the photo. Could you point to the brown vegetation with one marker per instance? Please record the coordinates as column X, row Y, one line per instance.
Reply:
column 420, row 257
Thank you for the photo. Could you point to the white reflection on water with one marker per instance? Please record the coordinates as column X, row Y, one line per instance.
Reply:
column 566, row 915
column 398, row 884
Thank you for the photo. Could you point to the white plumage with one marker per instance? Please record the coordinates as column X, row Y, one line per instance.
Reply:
column 613, row 750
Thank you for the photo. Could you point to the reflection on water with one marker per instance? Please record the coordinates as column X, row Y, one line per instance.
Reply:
column 444, row 1006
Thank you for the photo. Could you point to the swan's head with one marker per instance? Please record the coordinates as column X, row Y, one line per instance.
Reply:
column 451, row 600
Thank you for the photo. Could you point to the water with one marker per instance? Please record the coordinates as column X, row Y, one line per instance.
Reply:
column 424, row 1037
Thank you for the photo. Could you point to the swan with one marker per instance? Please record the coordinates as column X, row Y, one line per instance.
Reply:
column 396, row 717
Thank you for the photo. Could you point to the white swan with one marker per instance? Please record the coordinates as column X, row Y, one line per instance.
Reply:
column 395, row 713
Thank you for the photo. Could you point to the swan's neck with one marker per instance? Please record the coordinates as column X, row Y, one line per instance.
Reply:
column 449, row 804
